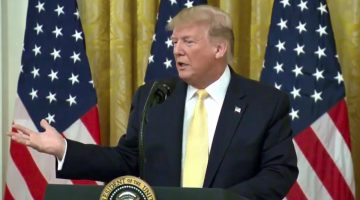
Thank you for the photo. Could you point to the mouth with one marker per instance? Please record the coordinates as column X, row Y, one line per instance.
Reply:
column 181, row 64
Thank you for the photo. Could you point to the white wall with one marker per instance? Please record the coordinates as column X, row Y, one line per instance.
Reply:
column 12, row 27
column 1, row 99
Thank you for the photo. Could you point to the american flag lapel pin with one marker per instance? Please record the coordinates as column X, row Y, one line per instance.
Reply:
column 237, row 109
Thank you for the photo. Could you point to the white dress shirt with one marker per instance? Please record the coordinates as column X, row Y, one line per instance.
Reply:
column 213, row 104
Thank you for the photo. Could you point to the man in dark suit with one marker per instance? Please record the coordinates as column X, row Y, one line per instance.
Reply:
column 248, row 141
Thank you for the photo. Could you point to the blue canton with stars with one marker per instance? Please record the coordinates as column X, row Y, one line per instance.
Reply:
column 55, row 81
column 301, row 59
column 161, row 62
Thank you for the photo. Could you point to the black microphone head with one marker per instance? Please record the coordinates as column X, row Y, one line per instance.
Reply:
column 164, row 89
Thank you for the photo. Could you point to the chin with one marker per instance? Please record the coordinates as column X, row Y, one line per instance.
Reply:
column 184, row 77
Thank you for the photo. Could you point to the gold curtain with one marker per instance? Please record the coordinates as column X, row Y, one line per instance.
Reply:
column 118, row 38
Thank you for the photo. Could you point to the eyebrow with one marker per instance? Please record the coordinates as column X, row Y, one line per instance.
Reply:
column 183, row 38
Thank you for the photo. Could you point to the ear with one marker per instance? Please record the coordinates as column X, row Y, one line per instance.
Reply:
column 221, row 49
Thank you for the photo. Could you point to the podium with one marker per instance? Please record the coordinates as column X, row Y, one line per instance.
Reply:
column 92, row 192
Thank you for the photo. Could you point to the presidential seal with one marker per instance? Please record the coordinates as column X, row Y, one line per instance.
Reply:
column 127, row 188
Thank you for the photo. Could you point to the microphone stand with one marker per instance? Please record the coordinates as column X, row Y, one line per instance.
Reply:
column 149, row 102
column 158, row 93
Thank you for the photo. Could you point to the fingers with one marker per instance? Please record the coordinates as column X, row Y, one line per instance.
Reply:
column 23, row 129
column 48, row 128
column 45, row 124
column 20, row 138
column 22, row 135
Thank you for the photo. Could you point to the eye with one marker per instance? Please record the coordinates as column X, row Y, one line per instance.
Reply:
column 189, row 42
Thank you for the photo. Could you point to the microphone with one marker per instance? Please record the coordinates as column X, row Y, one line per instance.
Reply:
column 159, row 92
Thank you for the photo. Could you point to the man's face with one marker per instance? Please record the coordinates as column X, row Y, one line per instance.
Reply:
column 194, row 54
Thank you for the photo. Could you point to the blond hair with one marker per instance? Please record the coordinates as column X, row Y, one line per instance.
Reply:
column 220, row 25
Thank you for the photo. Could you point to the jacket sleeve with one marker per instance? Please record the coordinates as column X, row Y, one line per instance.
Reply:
column 94, row 162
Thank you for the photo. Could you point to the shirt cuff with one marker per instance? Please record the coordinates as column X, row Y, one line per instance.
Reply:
column 61, row 162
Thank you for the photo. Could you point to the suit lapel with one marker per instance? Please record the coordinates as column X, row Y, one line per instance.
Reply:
column 231, row 113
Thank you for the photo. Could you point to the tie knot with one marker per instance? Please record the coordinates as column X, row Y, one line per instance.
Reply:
column 202, row 94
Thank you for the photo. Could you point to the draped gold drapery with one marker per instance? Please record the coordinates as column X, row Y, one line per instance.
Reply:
column 119, row 35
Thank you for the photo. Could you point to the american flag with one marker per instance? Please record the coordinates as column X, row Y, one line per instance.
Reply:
column 301, row 60
column 161, row 62
column 54, row 84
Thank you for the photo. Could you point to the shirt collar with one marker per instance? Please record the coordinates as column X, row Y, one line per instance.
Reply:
column 216, row 90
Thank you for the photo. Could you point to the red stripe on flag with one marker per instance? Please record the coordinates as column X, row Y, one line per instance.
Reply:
column 30, row 172
column 91, row 122
column 296, row 193
column 8, row 195
column 339, row 115
column 323, row 165
column 84, row 182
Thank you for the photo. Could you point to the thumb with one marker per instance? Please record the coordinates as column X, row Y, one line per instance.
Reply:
column 45, row 124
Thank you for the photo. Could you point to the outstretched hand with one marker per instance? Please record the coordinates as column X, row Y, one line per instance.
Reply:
column 49, row 141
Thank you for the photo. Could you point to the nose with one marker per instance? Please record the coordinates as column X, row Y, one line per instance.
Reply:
column 177, row 49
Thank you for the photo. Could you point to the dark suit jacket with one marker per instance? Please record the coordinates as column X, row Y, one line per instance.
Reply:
column 252, row 152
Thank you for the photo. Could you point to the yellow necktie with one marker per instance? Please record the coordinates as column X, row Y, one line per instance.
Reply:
column 197, row 153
